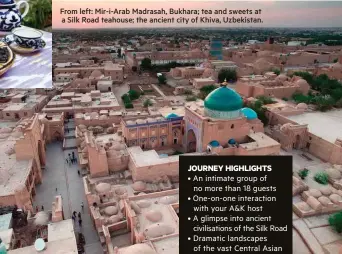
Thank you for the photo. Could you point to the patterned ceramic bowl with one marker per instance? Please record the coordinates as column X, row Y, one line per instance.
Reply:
column 27, row 37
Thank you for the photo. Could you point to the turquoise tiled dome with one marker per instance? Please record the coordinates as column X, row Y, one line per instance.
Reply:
column 250, row 114
column 214, row 143
column 171, row 115
column 223, row 99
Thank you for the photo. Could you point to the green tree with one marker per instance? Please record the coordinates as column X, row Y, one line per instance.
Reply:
column 40, row 14
column 146, row 64
column 265, row 100
column 190, row 98
column 205, row 90
column 305, row 75
column 162, row 79
column 147, row 103
column 188, row 92
column 303, row 173
column 257, row 106
column 322, row 178
column 227, row 74
column 276, row 71
column 133, row 95
column 335, row 221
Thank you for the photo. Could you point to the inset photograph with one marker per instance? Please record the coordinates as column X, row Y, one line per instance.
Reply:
column 25, row 44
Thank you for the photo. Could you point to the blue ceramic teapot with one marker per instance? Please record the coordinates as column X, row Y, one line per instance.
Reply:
column 10, row 16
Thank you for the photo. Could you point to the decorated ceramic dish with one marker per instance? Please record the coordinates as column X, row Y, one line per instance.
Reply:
column 24, row 50
column 6, row 58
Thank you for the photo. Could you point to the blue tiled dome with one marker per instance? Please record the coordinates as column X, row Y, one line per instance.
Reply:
column 231, row 141
column 214, row 143
column 171, row 115
column 250, row 114
column 223, row 99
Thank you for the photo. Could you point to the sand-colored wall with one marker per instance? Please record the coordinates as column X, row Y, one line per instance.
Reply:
column 222, row 131
column 153, row 172
column 97, row 122
column 97, row 162
column 323, row 149
column 8, row 200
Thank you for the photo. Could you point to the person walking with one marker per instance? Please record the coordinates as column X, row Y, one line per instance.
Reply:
column 37, row 209
column 73, row 218
column 78, row 172
column 80, row 222
column 82, row 206
column 56, row 189
column 79, row 215
column 42, row 208
column 74, row 214
column 67, row 161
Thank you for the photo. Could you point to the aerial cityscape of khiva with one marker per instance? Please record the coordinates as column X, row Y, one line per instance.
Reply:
column 92, row 164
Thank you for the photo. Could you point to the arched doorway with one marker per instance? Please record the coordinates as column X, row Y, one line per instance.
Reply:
column 191, row 141
column 57, row 136
column 296, row 144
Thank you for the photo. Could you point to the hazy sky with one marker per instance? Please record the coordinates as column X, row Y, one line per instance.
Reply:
column 274, row 13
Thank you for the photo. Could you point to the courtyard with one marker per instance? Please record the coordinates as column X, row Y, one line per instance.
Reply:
column 327, row 125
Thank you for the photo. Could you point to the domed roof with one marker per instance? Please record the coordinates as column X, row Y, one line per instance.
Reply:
column 140, row 248
column 301, row 82
column 41, row 218
column 111, row 210
column 96, row 74
column 250, row 114
column 231, row 141
column 281, row 77
column 214, row 143
column 285, row 127
column 302, row 105
column 171, row 115
column 223, row 99
column 103, row 187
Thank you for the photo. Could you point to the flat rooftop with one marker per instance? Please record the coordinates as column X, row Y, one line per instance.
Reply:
column 67, row 246
column 15, row 107
column 61, row 239
column 165, row 111
column 327, row 125
column 167, row 245
column 13, row 173
column 60, row 230
column 261, row 140
column 149, row 158
column 203, row 79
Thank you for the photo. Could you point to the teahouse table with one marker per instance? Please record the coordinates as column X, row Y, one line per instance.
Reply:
column 30, row 70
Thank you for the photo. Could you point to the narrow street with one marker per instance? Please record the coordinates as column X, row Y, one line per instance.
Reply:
column 58, row 174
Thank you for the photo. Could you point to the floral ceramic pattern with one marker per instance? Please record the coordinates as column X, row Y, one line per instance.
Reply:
column 9, row 18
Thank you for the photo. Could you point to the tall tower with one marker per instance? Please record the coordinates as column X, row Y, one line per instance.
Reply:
column 216, row 49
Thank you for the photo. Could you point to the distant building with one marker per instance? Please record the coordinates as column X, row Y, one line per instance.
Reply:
column 216, row 49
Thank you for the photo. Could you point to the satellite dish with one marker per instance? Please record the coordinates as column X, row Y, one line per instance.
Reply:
column 39, row 244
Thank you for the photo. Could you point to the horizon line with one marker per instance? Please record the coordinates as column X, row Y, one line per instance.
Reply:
column 211, row 28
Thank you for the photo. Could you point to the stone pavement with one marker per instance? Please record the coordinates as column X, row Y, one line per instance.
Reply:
column 58, row 174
